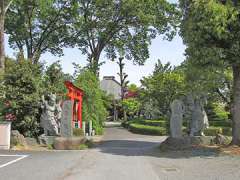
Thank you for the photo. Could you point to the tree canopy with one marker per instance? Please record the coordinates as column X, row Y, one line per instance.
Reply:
column 120, row 27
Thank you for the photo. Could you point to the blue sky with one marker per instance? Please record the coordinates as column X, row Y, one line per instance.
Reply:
column 164, row 50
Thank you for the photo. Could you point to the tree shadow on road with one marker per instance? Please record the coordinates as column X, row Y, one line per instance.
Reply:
column 151, row 149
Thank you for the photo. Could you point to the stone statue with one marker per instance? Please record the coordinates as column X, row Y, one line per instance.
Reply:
column 199, row 121
column 177, row 110
column 51, row 115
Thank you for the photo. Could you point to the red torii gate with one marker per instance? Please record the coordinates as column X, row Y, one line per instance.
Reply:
column 75, row 94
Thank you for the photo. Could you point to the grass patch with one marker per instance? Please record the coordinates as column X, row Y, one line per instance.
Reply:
column 82, row 147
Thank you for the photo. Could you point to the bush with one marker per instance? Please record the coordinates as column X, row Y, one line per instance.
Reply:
column 148, row 130
column 213, row 131
column 23, row 89
column 161, row 122
column 154, row 123
column 227, row 131
column 220, row 123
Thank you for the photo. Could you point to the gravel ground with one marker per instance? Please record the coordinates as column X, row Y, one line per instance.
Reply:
column 124, row 156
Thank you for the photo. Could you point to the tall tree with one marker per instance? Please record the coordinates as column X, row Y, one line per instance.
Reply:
column 123, row 76
column 38, row 26
column 162, row 87
column 4, row 5
column 211, row 30
column 127, row 26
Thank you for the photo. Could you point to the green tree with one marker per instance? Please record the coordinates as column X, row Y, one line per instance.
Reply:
column 38, row 26
column 22, row 95
column 124, row 27
column 54, row 79
column 131, row 106
column 122, row 76
column 133, row 88
column 162, row 87
column 94, row 106
column 211, row 31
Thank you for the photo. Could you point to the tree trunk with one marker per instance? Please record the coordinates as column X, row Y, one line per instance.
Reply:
column 235, row 109
column 2, row 50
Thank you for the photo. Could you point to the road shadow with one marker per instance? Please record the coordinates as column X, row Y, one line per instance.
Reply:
column 151, row 149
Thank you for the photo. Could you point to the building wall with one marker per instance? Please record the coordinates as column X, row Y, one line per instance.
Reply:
column 111, row 86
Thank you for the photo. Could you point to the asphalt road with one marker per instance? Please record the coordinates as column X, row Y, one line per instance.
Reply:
column 121, row 156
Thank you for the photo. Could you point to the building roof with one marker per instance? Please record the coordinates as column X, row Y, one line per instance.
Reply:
column 111, row 86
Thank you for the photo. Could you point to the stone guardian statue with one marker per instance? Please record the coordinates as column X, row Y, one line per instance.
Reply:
column 51, row 115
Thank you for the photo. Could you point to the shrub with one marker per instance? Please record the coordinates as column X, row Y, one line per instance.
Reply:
column 149, row 130
column 227, row 131
column 213, row 131
column 23, row 89
column 154, row 123
column 220, row 123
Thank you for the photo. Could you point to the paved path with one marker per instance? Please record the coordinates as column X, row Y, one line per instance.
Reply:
column 123, row 156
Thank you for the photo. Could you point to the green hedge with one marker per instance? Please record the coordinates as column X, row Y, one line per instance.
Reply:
column 213, row 131
column 160, row 123
column 227, row 131
column 220, row 123
column 149, row 130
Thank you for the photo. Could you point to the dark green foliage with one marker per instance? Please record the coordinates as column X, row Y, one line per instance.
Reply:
column 122, row 28
column 54, row 79
column 23, row 90
column 94, row 107
column 38, row 26
column 150, row 127
column 161, row 88
column 149, row 130
column 161, row 123
column 220, row 123
column 227, row 131
column 213, row 131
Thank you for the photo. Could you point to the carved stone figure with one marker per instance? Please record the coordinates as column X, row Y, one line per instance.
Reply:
column 199, row 121
column 177, row 110
column 51, row 115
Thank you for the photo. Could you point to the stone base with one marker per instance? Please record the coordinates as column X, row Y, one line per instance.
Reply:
column 68, row 143
column 186, row 142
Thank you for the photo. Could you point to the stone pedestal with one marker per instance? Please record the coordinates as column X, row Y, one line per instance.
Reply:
column 186, row 142
column 5, row 134
column 66, row 120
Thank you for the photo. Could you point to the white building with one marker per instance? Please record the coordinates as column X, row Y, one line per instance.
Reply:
column 111, row 86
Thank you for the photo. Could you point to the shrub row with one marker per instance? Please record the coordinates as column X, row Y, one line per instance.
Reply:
column 212, row 131
column 160, row 123
column 220, row 123
column 149, row 130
